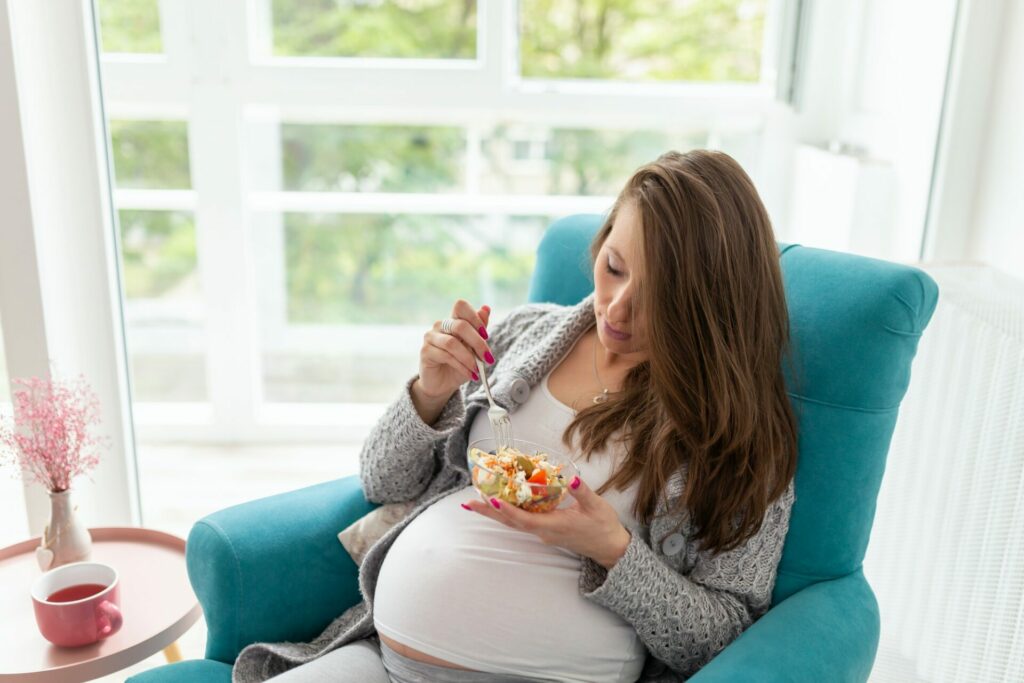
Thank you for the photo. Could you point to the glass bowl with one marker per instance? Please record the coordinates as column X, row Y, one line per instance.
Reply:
column 532, row 496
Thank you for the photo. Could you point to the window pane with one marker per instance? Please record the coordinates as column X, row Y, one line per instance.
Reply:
column 130, row 26
column 150, row 154
column 164, row 308
column 159, row 254
column 383, row 269
column 426, row 29
column 540, row 160
column 362, row 289
column 642, row 40
column 171, row 377
column 328, row 157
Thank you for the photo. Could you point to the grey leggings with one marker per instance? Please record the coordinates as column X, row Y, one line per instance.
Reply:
column 367, row 661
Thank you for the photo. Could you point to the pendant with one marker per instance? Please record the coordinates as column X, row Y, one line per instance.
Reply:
column 602, row 397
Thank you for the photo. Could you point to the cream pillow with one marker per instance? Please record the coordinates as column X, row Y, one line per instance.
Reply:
column 359, row 536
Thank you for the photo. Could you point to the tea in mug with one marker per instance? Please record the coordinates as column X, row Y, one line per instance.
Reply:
column 76, row 592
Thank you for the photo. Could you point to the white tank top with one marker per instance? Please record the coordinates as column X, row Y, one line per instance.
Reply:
column 471, row 591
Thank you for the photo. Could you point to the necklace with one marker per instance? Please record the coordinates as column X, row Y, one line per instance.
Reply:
column 603, row 396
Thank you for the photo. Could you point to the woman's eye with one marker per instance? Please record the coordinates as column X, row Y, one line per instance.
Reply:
column 612, row 271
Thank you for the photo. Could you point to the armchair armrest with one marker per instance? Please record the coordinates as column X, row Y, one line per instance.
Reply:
column 273, row 569
column 826, row 632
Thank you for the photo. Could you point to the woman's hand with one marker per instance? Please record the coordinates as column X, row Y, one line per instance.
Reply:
column 590, row 526
column 448, row 360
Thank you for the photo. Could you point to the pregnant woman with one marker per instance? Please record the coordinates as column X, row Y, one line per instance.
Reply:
column 665, row 387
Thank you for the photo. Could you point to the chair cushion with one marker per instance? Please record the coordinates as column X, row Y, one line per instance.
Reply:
column 359, row 536
column 854, row 323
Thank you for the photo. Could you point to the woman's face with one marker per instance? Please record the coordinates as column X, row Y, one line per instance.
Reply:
column 615, row 272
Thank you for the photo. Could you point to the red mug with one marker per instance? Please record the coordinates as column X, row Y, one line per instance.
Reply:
column 77, row 603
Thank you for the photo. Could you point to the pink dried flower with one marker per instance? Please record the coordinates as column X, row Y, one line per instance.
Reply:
column 50, row 436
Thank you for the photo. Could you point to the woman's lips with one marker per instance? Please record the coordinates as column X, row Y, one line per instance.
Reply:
column 614, row 333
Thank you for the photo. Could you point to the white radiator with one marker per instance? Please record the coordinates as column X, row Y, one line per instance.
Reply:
column 946, row 557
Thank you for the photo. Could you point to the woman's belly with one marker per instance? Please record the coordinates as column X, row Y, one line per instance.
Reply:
column 469, row 591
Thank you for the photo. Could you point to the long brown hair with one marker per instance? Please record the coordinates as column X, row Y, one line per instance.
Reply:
column 710, row 395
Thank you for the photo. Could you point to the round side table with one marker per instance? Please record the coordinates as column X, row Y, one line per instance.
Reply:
column 156, row 600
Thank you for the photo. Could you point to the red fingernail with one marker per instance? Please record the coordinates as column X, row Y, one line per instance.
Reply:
column 489, row 358
column 486, row 306
column 495, row 503
column 476, row 377
column 466, row 507
column 575, row 483
column 483, row 332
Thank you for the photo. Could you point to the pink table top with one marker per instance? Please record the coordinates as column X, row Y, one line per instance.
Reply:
column 156, row 599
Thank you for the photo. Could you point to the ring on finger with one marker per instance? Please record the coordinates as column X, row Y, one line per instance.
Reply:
column 448, row 325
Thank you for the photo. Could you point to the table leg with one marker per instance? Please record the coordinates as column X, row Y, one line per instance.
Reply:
column 172, row 653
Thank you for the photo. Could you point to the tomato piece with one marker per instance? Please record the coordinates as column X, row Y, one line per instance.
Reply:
column 539, row 477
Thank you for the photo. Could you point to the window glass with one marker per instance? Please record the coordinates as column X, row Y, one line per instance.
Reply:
column 163, row 304
column 361, row 289
column 572, row 161
column 425, row 29
column 150, row 154
column 347, row 158
column 642, row 40
column 130, row 26
column 164, row 307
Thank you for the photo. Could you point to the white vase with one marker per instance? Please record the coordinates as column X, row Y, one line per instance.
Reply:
column 65, row 539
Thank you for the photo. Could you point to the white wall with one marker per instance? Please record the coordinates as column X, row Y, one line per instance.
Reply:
column 997, row 223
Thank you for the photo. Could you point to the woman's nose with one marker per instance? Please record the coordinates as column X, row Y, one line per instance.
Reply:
column 619, row 308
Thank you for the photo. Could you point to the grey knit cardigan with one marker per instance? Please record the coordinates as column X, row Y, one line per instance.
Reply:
column 686, row 605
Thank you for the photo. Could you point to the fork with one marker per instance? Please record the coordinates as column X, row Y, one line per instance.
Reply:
column 500, row 422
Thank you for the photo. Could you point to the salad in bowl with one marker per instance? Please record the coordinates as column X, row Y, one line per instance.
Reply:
column 526, row 475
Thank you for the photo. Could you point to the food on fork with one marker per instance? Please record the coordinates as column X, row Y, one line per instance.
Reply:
column 528, row 481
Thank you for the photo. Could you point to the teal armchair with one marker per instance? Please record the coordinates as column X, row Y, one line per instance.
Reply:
column 273, row 569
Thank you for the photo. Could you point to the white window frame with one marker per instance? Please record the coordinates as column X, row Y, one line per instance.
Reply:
column 224, row 80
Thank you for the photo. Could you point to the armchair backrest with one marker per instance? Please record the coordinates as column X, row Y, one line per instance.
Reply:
column 854, row 326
